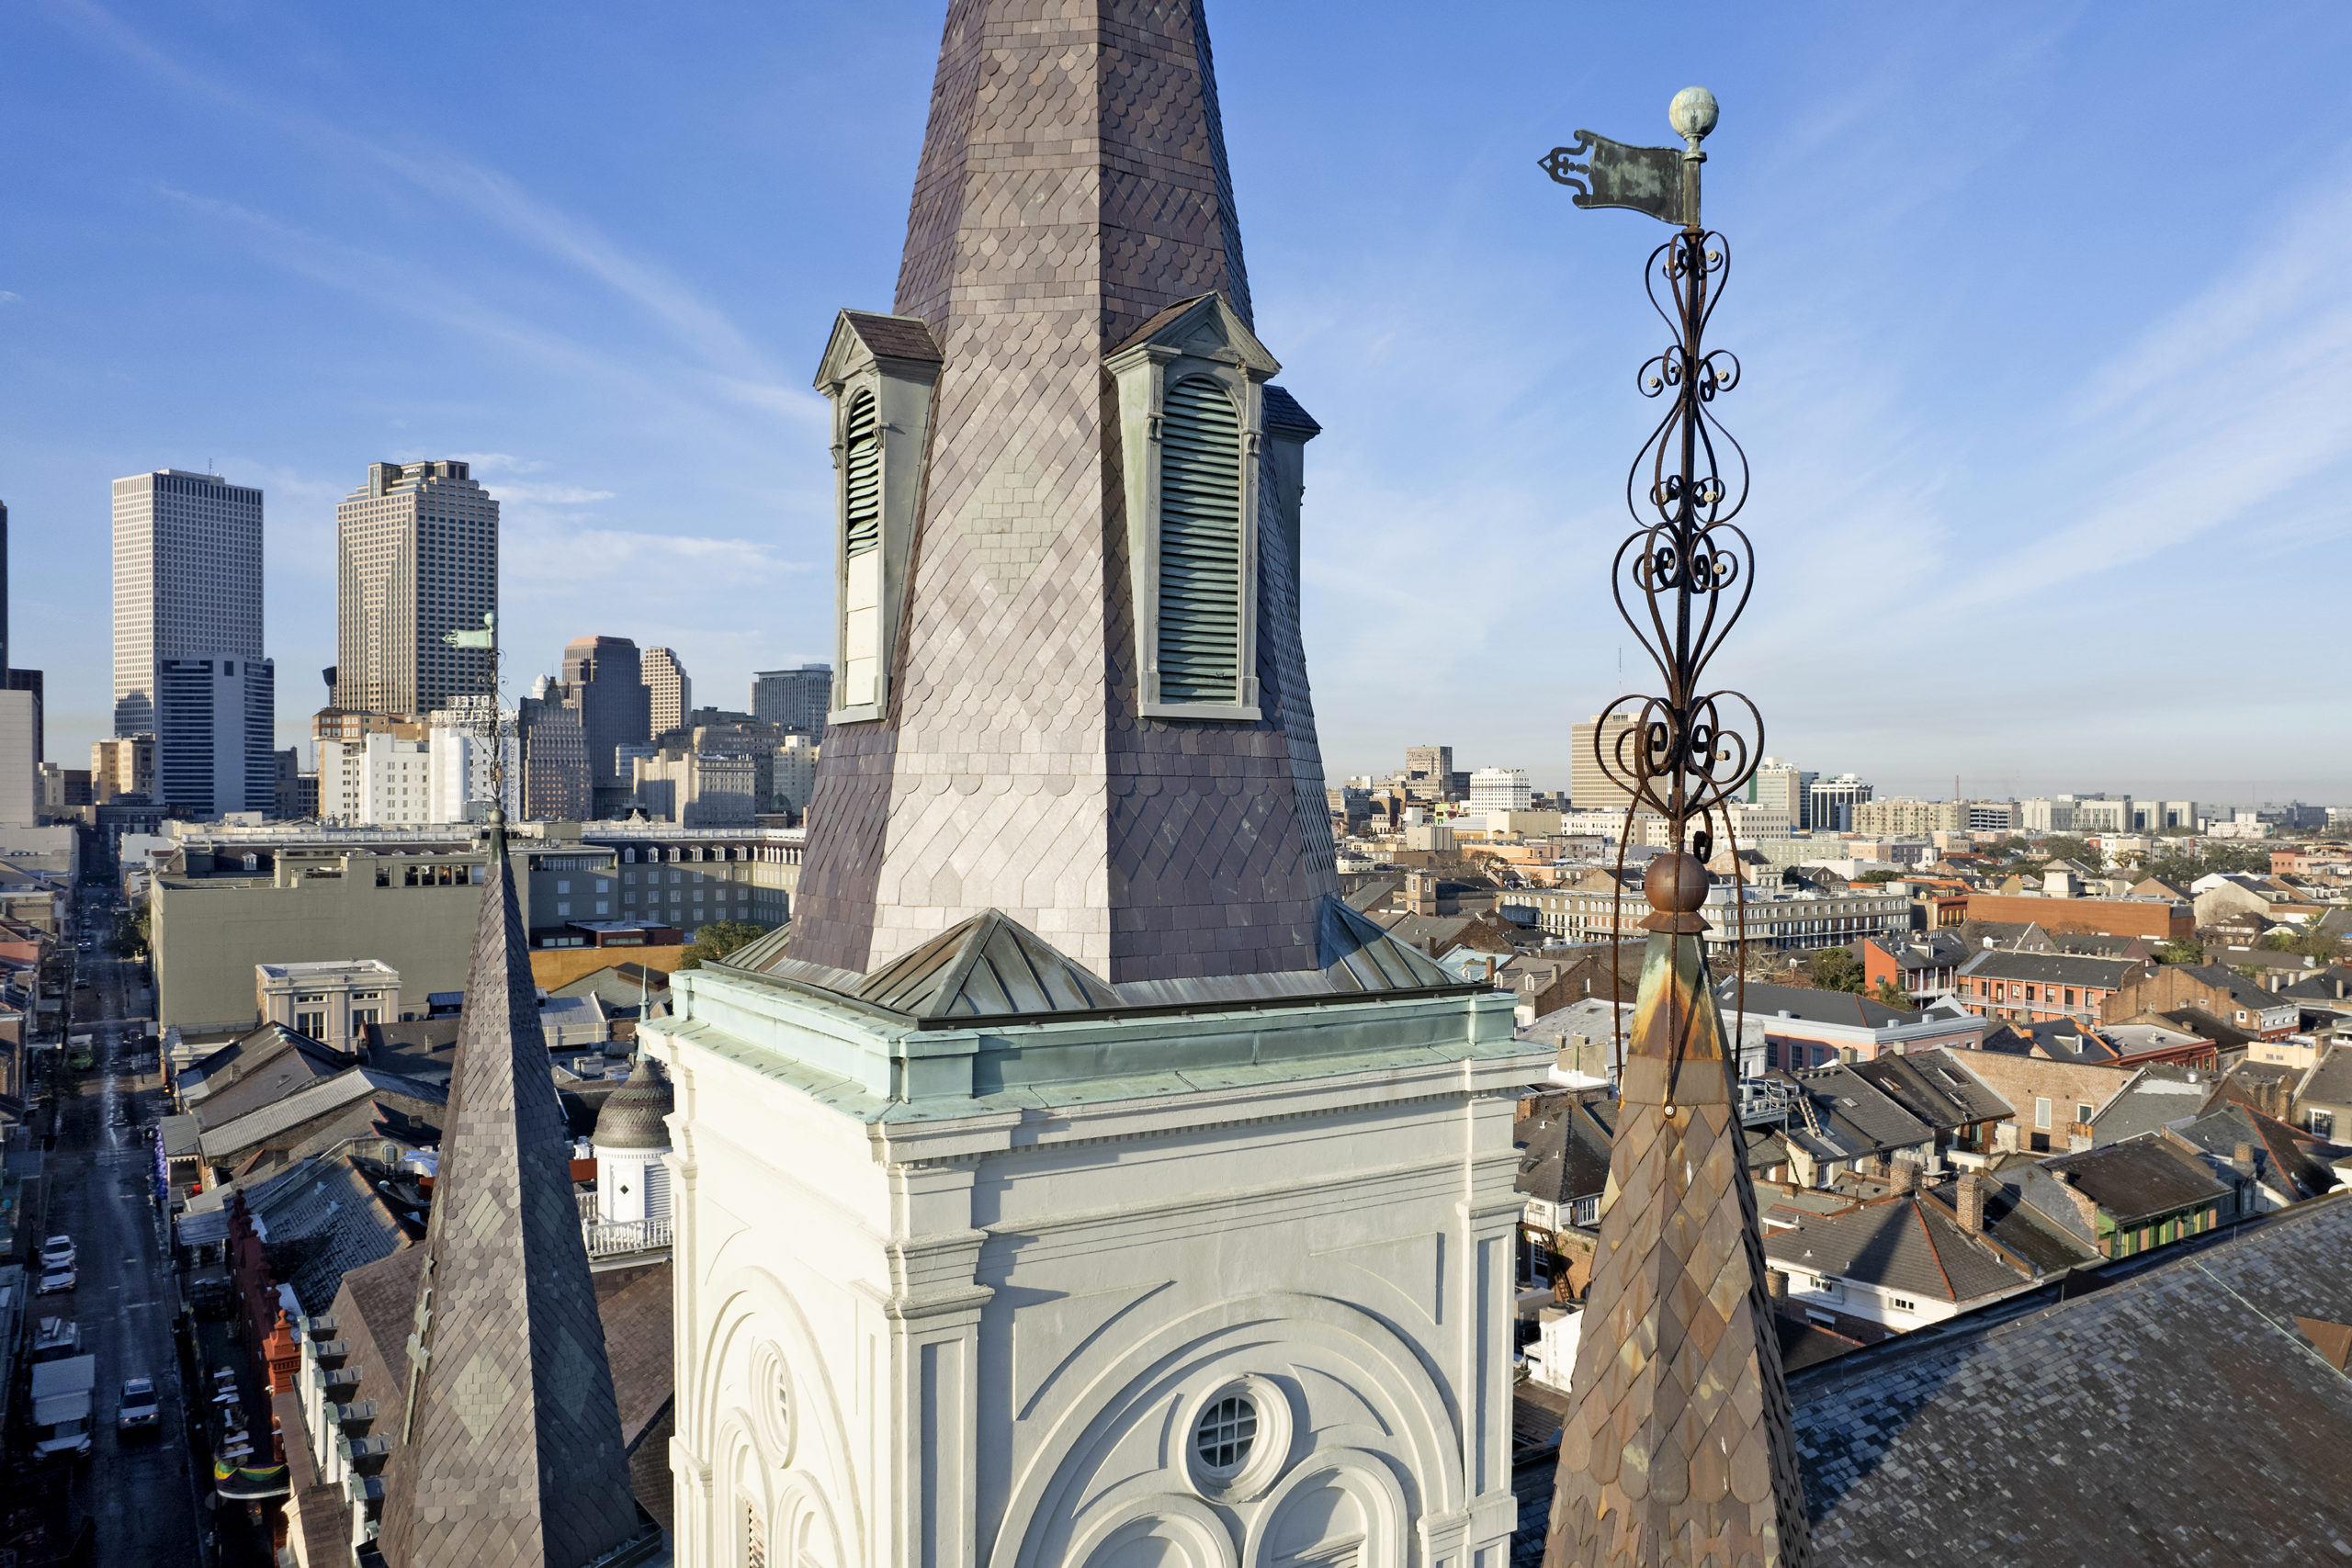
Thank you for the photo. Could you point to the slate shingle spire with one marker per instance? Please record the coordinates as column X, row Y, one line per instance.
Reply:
column 513, row 1449
column 1072, row 186
column 1678, row 1447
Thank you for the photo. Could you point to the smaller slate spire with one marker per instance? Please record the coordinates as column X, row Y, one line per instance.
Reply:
column 513, row 1449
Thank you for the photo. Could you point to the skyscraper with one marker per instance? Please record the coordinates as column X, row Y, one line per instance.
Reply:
column 604, row 682
column 216, row 735
column 795, row 699
column 670, row 692
column 416, row 559
column 187, row 581
column 1589, row 789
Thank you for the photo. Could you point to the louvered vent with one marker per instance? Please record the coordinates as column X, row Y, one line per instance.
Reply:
column 862, row 509
column 1200, row 545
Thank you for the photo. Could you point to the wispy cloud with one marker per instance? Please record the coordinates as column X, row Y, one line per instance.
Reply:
column 731, row 364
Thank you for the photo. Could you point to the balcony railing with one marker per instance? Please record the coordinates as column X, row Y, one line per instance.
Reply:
column 618, row 1238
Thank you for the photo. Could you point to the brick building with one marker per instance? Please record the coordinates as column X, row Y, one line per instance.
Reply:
column 2212, row 989
column 2044, row 988
column 2163, row 920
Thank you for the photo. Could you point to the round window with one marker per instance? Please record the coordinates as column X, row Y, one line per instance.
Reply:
column 1223, row 1436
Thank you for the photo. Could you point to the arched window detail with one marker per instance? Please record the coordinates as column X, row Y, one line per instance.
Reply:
column 1201, row 542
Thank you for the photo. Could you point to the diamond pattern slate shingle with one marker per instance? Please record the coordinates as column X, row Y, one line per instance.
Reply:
column 1072, row 184
column 513, row 1451
column 2087, row 1432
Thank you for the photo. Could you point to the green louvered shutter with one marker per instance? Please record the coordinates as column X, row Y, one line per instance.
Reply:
column 1200, row 545
column 862, row 507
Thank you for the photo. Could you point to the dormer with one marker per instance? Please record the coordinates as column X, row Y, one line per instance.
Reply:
column 1192, row 423
column 878, row 372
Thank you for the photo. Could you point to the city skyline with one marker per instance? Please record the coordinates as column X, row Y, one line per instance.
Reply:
column 1965, row 550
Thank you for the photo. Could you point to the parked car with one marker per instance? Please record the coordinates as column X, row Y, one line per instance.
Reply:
column 54, row 1280
column 139, row 1411
column 58, row 1252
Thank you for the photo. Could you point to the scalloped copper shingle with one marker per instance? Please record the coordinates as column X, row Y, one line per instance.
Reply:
column 1676, row 1446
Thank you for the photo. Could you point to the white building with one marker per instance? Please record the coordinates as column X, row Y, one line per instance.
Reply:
column 459, row 788
column 792, row 778
column 187, row 581
column 1500, row 789
column 19, row 759
column 1832, row 803
column 377, row 781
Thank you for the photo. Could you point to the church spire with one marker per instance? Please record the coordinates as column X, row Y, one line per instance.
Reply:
column 1071, row 684
column 512, row 1451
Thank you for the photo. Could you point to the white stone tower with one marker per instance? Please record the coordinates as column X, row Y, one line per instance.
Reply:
column 1077, row 1180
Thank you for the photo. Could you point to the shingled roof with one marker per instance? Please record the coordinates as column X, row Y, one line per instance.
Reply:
column 2042, row 1434
column 512, row 1451
column 1908, row 1244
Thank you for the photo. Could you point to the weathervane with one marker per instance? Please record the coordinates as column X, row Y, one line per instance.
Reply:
column 1686, row 558
column 1677, row 1445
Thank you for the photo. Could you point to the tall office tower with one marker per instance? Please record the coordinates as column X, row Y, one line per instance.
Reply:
column 553, row 785
column 187, row 581
column 1783, row 786
column 669, row 691
column 1429, row 770
column 416, row 559
column 1589, row 789
column 215, row 734
column 1832, row 802
column 604, row 682
column 796, row 699
column 20, row 718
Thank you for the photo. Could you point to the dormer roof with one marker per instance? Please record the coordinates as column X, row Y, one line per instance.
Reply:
column 1205, row 327
column 863, row 337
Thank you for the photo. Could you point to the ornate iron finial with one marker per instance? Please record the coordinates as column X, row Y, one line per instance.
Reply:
column 1676, row 1446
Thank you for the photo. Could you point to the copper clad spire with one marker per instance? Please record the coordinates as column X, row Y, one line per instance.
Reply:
column 1677, row 1445
column 513, row 1449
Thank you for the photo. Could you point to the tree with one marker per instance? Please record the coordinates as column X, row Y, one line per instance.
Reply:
column 1878, row 876
column 2310, row 942
column 2180, row 953
column 1834, row 969
column 2068, row 846
column 717, row 940
column 128, row 939
column 1892, row 995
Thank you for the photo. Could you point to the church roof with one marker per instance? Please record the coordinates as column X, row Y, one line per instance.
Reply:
column 993, row 966
column 513, row 1451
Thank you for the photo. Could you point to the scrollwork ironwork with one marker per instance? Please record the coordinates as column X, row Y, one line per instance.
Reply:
column 1686, row 566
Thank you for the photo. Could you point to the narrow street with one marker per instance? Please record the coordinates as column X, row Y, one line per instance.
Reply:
column 139, row 1493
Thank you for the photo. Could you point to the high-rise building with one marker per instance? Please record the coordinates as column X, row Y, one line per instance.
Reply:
column 21, row 750
column 1429, row 772
column 1783, row 786
column 604, row 682
column 416, row 559
column 1591, row 789
column 1831, row 802
column 216, row 735
column 124, row 765
column 186, row 582
column 554, row 759
column 670, row 692
column 796, row 699
column 1499, row 789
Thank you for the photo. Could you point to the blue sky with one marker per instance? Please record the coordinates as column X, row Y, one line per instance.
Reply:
column 2041, row 309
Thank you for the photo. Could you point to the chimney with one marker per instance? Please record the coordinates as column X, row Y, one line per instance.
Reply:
column 2084, row 1205
column 1777, row 1283
column 1903, row 1175
column 1971, row 1201
column 2242, row 1160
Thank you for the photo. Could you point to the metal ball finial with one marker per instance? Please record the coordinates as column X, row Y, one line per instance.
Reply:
column 1692, row 114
